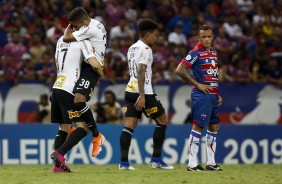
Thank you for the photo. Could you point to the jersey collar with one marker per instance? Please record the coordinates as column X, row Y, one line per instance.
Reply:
column 200, row 46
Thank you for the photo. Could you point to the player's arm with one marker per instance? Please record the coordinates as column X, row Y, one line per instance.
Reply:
column 84, row 33
column 140, row 103
column 182, row 71
column 89, row 56
column 68, row 36
column 96, row 66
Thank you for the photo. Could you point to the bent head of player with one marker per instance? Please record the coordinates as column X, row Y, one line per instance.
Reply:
column 148, row 31
column 78, row 17
column 205, row 36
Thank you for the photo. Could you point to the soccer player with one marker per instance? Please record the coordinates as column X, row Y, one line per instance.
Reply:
column 139, row 96
column 94, row 31
column 202, row 60
column 68, row 62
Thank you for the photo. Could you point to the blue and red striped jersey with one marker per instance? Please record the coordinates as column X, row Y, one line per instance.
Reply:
column 204, row 65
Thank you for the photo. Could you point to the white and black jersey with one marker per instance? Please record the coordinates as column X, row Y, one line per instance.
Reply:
column 139, row 53
column 96, row 33
column 69, row 57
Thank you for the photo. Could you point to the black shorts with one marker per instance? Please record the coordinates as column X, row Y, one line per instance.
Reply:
column 87, row 81
column 62, row 108
column 153, row 109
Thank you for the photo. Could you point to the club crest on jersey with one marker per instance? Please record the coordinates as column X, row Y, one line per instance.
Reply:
column 151, row 110
column 74, row 114
column 188, row 57
column 204, row 116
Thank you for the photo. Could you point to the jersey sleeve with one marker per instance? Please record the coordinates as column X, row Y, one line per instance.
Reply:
column 87, row 49
column 84, row 33
column 190, row 59
column 145, row 55
column 57, row 48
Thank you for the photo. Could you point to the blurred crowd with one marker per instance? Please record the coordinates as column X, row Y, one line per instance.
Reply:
column 248, row 36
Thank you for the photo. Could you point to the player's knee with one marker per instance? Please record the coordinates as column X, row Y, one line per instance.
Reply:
column 214, row 128
column 130, row 123
column 197, row 128
column 162, row 120
column 83, row 125
column 65, row 127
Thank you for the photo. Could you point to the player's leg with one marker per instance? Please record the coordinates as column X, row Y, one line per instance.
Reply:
column 201, row 113
column 155, row 110
column 62, row 103
column 86, row 114
column 83, row 91
column 56, row 117
column 130, row 122
column 158, row 141
column 125, row 139
column 211, row 137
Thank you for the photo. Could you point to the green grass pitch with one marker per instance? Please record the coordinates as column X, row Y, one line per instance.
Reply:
column 109, row 174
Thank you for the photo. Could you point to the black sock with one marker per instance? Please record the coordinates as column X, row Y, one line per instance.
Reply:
column 158, row 140
column 77, row 135
column 125, row 140
column 87, row 115
column 59, row 140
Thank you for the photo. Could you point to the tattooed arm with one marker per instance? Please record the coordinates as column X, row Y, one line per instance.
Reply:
column 182, row 71
column 140, row 103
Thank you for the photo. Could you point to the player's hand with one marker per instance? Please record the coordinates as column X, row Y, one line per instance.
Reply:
column 140, row 103
column 69, row 29
column 204, row 88
column 219, row 100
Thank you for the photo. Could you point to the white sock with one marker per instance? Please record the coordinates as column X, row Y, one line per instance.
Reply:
column 194, row 141
column 211, row 146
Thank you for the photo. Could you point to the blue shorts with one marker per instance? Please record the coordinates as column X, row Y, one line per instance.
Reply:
column 205, row 109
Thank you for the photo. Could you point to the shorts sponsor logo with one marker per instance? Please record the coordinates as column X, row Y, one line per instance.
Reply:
column 74, row 114
column 151, row 110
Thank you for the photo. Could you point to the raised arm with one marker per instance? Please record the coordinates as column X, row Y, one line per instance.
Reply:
column 182, row 71
column 68, row 36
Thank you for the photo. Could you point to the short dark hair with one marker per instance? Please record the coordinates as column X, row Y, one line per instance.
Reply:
column 204, row 27
column 77, row 14
column 146, row 25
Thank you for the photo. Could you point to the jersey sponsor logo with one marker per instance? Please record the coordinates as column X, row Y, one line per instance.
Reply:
column 74, row 114
column 60, row 81
column 211, row 55
column 132, row 86
column 212, row 71
column 214, row 84
column 151, row 110
column 193, row 60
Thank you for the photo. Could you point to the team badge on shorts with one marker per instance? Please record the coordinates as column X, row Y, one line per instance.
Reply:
column 204, row 116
